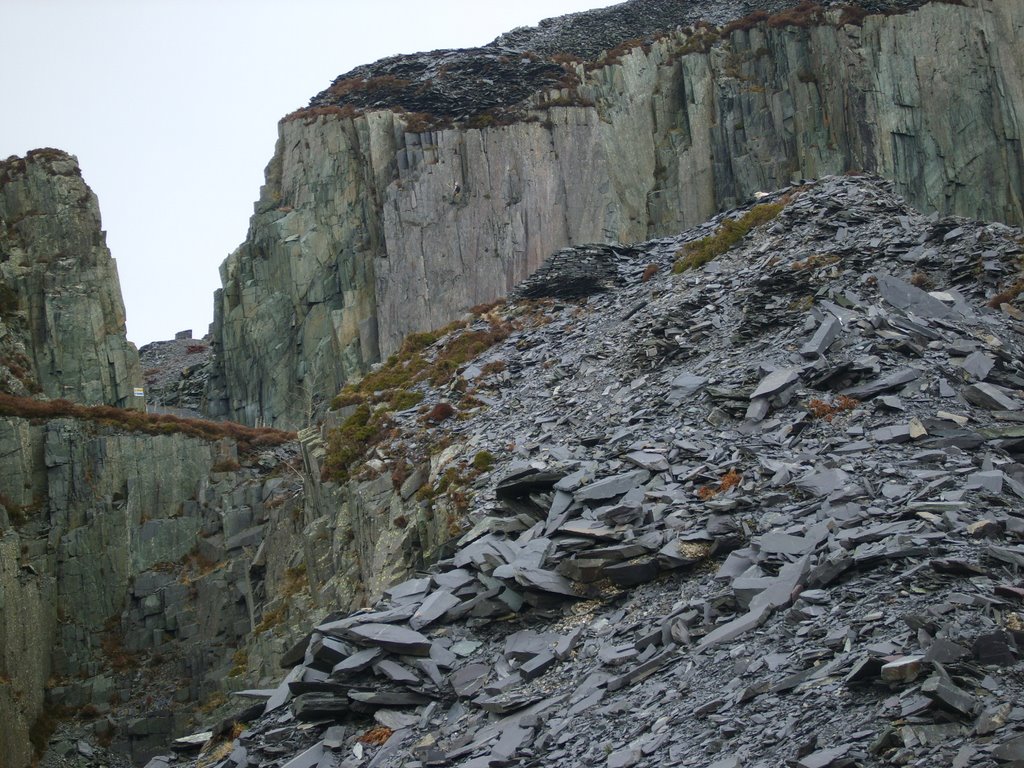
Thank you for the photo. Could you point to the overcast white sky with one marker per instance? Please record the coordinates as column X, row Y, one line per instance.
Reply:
column 172, row 106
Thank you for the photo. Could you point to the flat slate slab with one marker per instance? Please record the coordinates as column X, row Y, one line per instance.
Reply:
column 391, row 638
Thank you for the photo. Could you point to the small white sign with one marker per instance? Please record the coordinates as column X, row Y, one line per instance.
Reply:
column 140, row 392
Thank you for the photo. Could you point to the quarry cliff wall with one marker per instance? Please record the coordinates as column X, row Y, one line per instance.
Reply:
column 372, row 225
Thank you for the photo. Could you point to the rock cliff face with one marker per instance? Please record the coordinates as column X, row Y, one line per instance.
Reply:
column 62, row 319
column 118, row 548
column 374, row 223
column 122, row 550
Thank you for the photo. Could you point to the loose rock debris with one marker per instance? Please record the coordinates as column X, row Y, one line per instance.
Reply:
column 850, row 595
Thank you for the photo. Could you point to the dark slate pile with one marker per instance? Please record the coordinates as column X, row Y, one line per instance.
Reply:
column 458, row 84
column 175, row 373
column 765, row 513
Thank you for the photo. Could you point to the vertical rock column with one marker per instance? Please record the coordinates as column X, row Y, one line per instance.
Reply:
column 60, row 286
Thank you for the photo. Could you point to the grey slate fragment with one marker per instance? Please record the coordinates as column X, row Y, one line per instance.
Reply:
column 823, row 482
column 433, row 608
column 308, row 759
column 827, row 332
column 357, row 662
column 912, row 298
column 654, row 462
column 626, row 757
column 545, row 581
column 558, row 513
column 990, row 396
column 686, row 384
column 893, row 381
column 945, row 651
column 992, row 719
column 1010, row 751
column 582, row 570
column 631, row 573
column 283, row 691
column 995, row 648
column 784, row 543
column 391, row 638
column 642, row 670
column 898, row 433
column 408, row 588
column 396, row 672
column 824, row 758
column 454, row 579
column 528, row 481
column 469, row 679
column 758, row 409
column 388, row 698
column 538, row 665
column 334, row 737
column 395, row 719
column 526, row 643
column 610, row 487
column 775, row 382
column 979, row 365
column 943, row 691
column 315, row 706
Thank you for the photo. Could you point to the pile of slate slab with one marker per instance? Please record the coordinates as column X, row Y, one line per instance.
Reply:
column 767, row 512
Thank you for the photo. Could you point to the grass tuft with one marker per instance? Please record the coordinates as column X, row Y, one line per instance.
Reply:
column 731, row 231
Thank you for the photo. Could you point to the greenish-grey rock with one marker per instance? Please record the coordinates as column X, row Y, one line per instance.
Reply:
column 365, row 232
column 62, row 321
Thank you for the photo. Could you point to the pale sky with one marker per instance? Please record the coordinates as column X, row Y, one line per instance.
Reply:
column 172, row 110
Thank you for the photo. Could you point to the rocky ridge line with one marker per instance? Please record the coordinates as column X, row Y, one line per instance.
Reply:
column 767, row 511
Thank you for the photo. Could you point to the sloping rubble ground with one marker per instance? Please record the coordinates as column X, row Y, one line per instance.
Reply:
column 764, row 513
column 463, row 82
column 175, row 373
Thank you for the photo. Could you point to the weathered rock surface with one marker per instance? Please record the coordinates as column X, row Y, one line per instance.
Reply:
column 787, row 587
column 62, row 323
column 373, row 224
column 116, row 547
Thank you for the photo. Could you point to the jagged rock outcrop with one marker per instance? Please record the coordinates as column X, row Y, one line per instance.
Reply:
column 62, row 322
column 374, row 223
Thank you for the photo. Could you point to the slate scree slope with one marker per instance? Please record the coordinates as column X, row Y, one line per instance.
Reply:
column 765, row 512
column 746, row 491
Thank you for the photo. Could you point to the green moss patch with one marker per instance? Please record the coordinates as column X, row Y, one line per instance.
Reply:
column 731, row 231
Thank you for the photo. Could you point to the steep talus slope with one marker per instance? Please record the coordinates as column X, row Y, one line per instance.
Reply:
column 768, row 510
column 61, row 314
column 131, row 565
column 419, row 186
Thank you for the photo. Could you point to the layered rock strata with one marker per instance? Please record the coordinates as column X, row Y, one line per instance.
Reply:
column 62, row 321
column 375, row 223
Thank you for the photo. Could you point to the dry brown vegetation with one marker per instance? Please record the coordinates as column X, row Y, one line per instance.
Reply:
column 729, row 480
column 376, row 736
column 310, row 114
column 1007, row 295
column 822, row 409
column 248, row 438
